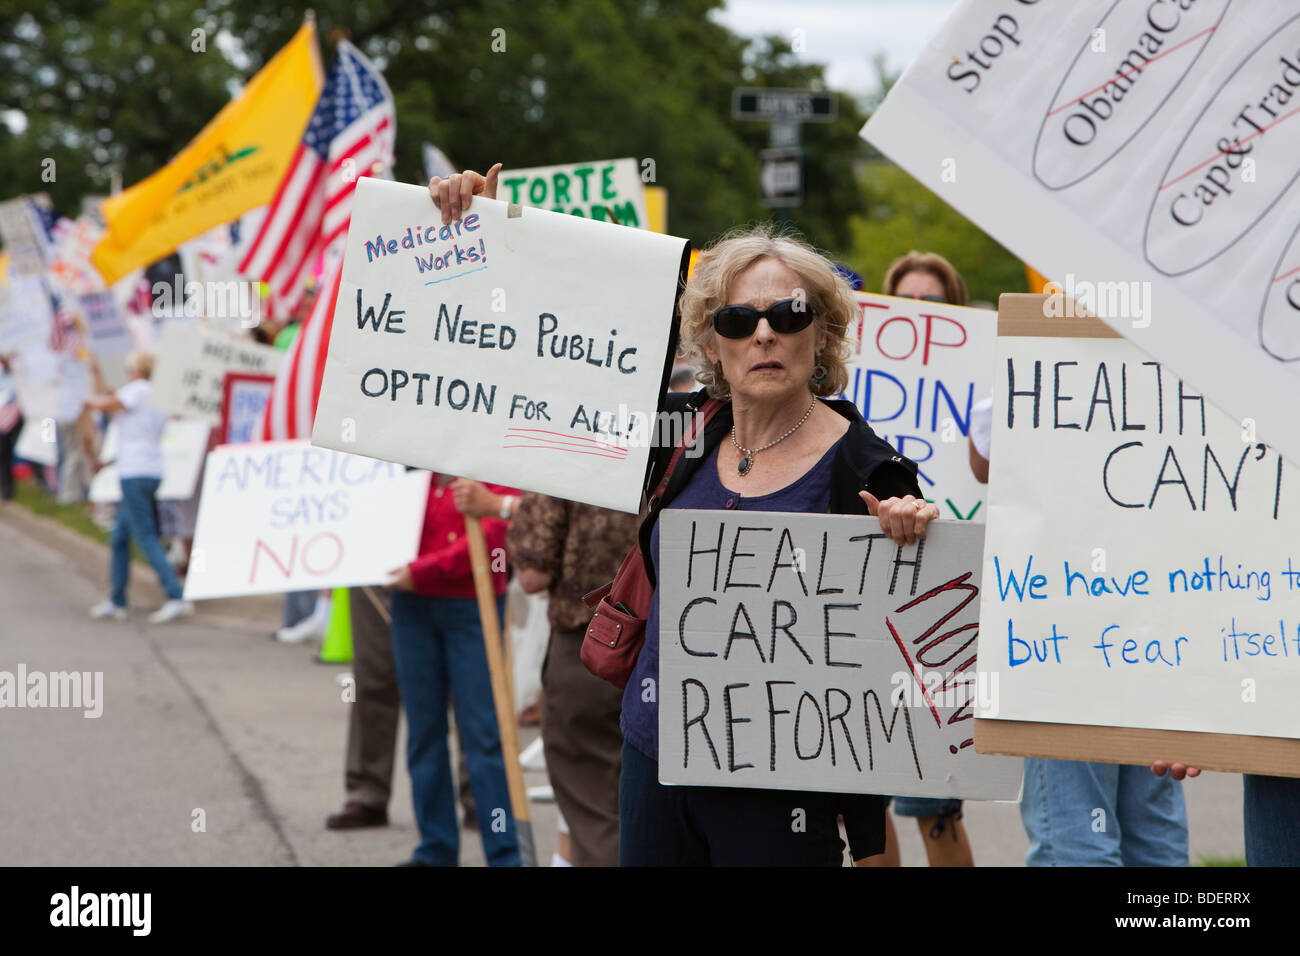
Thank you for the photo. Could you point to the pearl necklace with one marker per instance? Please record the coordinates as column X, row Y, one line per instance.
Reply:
column 747, row 461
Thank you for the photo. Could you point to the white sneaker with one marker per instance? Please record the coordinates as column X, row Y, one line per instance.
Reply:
column 304, row 630
column 171, row 611
column 106, row 608
column 532, row 757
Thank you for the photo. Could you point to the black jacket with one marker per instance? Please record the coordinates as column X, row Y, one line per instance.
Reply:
column 863, row 461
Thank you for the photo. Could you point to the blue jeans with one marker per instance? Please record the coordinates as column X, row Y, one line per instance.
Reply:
column 137, row 521
column 1101, row 814
column 438, row 651
column 1272, row 820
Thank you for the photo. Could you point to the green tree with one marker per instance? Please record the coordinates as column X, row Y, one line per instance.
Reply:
column 903, row 215
column 118, row 86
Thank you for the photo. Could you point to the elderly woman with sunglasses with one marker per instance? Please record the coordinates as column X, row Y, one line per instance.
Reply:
column 765, row 318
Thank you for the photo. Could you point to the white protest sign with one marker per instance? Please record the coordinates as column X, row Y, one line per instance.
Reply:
column 610, row 190
column 23, row 233
column 919, row 368
column 284, row 516
column 809, row 652
column 184, row 444
column 190, row 371
column 27, row 313
column 1139, row 561
column 1120, row 149
column 38, row 441
column 108, row 333
column 527, row 350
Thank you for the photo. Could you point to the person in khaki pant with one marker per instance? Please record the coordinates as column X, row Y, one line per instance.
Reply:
column 372, row 721
column 569, row 549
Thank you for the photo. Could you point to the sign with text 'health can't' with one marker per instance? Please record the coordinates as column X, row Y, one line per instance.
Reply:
column 1140, row 566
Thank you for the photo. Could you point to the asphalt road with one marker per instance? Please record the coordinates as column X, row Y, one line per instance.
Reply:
column 218, row 746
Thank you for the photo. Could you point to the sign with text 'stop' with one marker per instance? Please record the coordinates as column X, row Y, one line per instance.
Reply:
column 1145, row 156
column 516, row 345
column 810, row 652
column 918, row 372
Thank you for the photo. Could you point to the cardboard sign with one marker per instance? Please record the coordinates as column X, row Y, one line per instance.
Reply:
column 1120, row 149
column 610, row 190
column 809, row 652
column 919, row 368
column 108, row 334
column 283, row 516
column 184, row 443
column 243, row 407
column 1162, row 591
column 190, row 372
column 516, row 346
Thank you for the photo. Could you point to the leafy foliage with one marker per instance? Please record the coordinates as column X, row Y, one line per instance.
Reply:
column 120, row 86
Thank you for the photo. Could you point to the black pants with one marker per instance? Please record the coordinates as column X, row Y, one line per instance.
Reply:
column 7, row 442
column 720, row 826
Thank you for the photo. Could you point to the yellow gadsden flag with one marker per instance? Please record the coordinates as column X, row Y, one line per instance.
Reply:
column 235, row 164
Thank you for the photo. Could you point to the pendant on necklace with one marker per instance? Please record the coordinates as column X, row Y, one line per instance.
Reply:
column 746, row 463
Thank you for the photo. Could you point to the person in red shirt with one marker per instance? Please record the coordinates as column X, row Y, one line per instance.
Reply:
column 438, row 650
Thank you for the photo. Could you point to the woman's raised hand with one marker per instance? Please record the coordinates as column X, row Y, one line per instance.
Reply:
column 454, row 194
column 902, row 519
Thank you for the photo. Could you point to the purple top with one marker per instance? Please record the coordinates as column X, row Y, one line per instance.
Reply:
column 809, row 494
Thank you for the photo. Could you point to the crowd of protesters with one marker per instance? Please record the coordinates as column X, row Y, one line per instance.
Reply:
column 768, row 373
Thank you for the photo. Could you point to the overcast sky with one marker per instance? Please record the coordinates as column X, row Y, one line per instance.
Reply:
column 845, row 34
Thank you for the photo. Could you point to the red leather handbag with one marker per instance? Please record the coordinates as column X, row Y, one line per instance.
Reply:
column 616, row 633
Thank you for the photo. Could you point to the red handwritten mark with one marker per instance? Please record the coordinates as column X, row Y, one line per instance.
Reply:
column 915, row 673
column 1223, row 152
column 575, row 451
column 958, row 583
column 543, row 431
column 558, row 443
column 1287, row 275
column 1137, row 69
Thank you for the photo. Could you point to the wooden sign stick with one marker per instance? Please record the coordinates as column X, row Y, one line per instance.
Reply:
column 487, row 609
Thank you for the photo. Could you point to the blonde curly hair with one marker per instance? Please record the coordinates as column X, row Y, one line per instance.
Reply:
column 827, row 293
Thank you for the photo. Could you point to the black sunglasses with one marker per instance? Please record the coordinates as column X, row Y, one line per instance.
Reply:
column 926, row 298
column 740, row 321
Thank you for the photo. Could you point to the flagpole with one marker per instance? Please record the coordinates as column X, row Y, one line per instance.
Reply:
column 506, row 720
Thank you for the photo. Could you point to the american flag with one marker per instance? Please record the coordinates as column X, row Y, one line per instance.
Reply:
column 65, row 331
column 291, row 408
column 350, row 134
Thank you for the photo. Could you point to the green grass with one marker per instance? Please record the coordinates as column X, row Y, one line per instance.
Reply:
column 1221, row 861
column 36, row 499
column 76, row 516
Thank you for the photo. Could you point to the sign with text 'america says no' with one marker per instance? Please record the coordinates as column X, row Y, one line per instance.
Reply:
column 284, row 516
column 810, row 652
column 520, row 349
